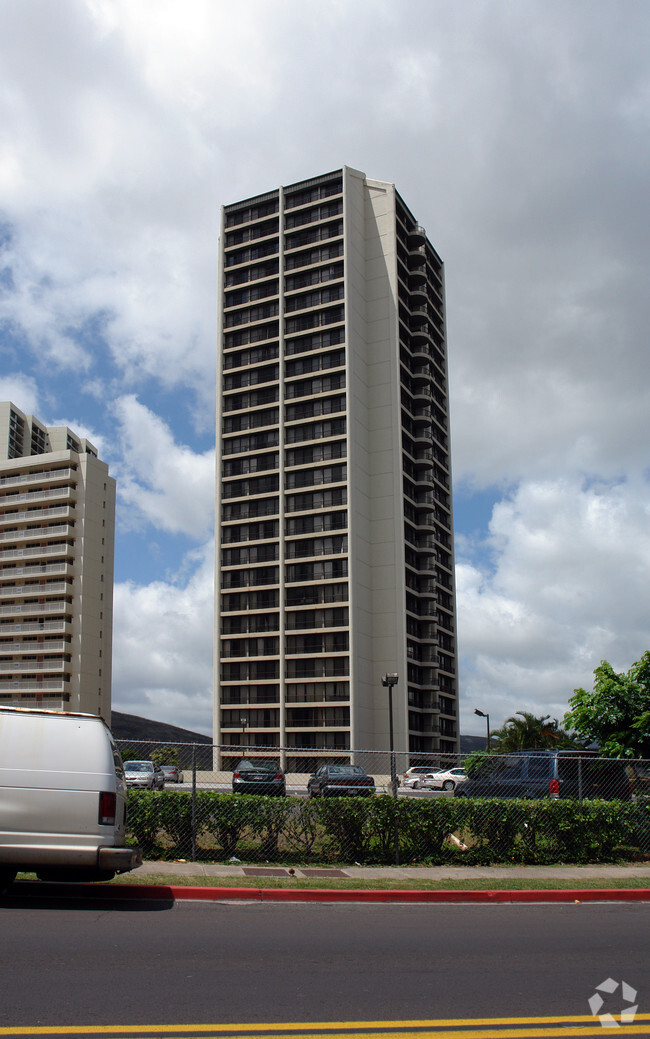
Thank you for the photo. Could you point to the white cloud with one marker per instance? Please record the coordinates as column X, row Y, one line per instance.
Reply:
column 568, row 586
column 162, row 647
column 518, row 136
column 166, row 483
column 21, row 390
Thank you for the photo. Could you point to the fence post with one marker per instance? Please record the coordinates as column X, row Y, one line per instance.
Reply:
column 193, row 802
column 579, row 780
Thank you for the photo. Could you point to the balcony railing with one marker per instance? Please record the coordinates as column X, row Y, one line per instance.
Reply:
column 36, row 532
column 40, row 476
column 9, row 591
column 38, row 550
column 35, row 608
column 36, row 626
column 21, row 666
column 35, row 571
column 43, row 514
column 46, row 685
column 51, row 646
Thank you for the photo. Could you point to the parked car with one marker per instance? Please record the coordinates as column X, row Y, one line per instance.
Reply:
column 145, row 775
column 258, row 776
column 340, row 779
column 414, row 774
column 443, row 779
column 548, row 773
column 172, row 774
column 62, row 798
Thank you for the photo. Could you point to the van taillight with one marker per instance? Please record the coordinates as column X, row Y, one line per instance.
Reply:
column 554, row 788
column 107, row 808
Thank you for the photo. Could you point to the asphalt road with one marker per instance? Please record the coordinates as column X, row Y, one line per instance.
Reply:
column 92, row 964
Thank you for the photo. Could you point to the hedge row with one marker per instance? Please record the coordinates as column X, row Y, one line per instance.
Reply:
column 383, row 830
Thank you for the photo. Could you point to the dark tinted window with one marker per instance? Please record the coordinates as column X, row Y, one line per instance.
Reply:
column 539, row 768
column 511, row 767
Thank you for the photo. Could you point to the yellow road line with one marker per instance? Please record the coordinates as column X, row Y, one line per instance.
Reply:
column 446, row 1028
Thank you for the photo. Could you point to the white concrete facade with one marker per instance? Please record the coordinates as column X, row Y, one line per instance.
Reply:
column 334, row 531
column 57, row 530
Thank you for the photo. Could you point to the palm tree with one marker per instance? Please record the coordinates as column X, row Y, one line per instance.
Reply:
column 524, row 731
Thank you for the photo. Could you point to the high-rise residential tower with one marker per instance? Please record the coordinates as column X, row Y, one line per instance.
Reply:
column 57, row 525
column 334, row 538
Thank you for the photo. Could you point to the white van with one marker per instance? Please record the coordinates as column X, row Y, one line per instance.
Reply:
column 62, row 798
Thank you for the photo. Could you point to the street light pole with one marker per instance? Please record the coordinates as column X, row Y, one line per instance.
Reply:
column 487, row 719
column 388, row 681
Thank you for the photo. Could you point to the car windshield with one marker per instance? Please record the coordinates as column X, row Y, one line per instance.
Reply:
column 138, row 766
column 256, row 766
column 346, row 770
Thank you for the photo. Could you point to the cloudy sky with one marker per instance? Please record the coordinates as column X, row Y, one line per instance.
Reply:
column 519, row 135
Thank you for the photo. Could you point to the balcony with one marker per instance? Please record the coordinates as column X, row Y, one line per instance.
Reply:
column 38, row 703
column 60, row 625
column 51, row 646
column 417, row 260
column 42, row 685
column 50, row 569
column 61, row 495
column 55, row 512
column 23, row 666
column 21, row 590
column 424, row 457
column 42, row 476
column 35, row 608
column 40, row 550
column 422, row 371
column 427, row 588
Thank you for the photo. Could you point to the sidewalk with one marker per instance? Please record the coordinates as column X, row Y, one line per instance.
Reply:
column 221, row 871
column 216, row 888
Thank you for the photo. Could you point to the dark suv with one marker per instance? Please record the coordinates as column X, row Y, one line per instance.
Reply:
column 548, row 773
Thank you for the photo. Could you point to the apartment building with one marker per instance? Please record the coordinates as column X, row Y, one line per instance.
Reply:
column 57, row 524
column 334, row 535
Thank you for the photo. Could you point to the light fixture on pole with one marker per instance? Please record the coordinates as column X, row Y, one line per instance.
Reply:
column 243, row 721
column 388, row 681
column 487, row 719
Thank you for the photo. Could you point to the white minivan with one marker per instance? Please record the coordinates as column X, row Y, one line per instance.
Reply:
column 62, row 798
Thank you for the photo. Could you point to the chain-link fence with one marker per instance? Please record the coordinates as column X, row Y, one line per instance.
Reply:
column 533, row 807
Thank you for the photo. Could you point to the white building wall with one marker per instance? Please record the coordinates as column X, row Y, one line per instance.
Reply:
column 57, row 528
column 378, row 309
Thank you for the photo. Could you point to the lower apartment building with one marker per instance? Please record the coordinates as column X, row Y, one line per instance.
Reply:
column 334, row 529
column 57, row 524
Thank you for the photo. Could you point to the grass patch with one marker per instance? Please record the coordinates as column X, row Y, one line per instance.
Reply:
column 387, row 884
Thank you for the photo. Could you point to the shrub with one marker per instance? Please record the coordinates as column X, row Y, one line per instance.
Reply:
column 359, row 829
column 227, row 816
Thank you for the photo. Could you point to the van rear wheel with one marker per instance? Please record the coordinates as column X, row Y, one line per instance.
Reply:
column 7, row 877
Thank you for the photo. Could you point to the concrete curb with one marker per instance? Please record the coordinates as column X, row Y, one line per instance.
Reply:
column 253, row 894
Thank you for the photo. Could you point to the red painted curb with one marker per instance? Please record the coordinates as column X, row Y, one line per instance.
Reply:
column 214, row 894
column 174, row 893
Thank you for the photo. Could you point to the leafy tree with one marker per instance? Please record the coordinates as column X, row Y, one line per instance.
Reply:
column 165, row 755
column 524, row 731
column 616, row 713
column 128, row 754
